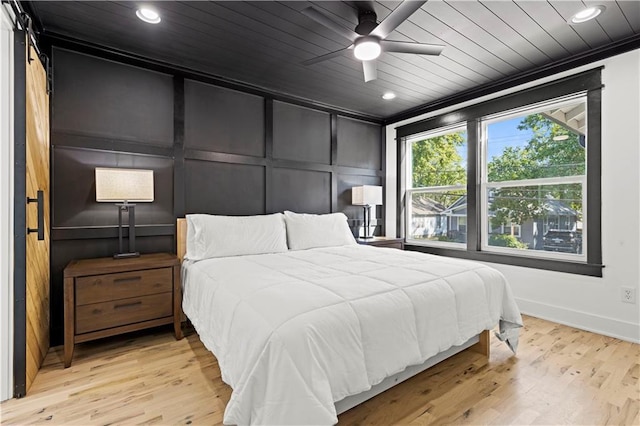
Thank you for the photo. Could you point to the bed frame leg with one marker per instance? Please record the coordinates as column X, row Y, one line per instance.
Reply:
column 482, row 347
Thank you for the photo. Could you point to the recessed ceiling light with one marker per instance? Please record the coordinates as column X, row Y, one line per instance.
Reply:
column 559, row 138
column 388, row 96
column 587, row 14
column 148, row 15
column 367, row 48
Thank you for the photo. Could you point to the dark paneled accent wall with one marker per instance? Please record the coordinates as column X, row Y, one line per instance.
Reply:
column 75, row 189
column 301, row 190
column 223, row 120
column 362, row 149
column 212, row 149
column 301, row 134
column 224, row 188
column 107, row 99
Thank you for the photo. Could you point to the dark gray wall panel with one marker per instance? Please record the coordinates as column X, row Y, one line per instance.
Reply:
column 301, row 134
column 355, row 213
column 207, row 146
column 74, row 188
column 301, row 191
column 224, row 188
column 103, row 98
column 223, row 120
column 359, row 144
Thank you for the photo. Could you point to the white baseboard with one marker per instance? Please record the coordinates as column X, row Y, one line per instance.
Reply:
column 611, row 327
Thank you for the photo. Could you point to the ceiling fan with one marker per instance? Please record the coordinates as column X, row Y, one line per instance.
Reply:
column 368, row 39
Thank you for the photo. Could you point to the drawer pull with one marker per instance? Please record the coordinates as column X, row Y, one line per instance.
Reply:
column 128, row 305
column 122, row 280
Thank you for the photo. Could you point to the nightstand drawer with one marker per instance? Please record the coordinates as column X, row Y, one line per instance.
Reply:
column 98, row 316
column 388, row 242
column 103, row 288
column 395, row 244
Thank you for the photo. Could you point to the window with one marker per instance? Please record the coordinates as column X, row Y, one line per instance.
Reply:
column 516, row 180
column 436, row 211
column 533, row 177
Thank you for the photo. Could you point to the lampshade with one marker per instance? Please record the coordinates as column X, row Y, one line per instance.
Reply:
column 118, row 185
column 366, row 195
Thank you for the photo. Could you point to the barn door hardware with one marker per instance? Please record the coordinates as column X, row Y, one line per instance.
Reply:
column 40, row 201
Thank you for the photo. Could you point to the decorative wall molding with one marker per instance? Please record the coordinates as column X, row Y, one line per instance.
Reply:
column 213, row 148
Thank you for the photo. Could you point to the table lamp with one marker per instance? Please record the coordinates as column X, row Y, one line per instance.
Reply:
column 123, row 186
column 366, row 196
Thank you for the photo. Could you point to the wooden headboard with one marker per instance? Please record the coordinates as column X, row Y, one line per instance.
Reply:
column 181, row 237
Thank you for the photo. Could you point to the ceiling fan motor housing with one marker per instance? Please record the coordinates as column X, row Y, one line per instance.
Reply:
column 367, row 21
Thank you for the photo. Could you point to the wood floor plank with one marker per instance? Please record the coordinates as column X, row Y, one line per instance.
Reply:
column 560, row 375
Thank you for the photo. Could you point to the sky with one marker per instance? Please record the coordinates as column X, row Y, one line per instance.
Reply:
column 505, row 133
column 501, row 135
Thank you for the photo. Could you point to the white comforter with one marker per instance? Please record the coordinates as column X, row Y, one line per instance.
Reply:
column 294, row 332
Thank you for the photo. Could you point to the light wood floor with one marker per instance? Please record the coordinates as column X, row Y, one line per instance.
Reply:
column 559, row 376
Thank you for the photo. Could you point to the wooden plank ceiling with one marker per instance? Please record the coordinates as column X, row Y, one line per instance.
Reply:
column 262, row 43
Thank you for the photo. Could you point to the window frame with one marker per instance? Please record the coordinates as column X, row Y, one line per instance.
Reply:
column 485, row 184
column 409, row 179
column 588, row 83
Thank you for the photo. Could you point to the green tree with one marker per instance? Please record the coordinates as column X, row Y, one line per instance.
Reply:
column 436, row 162
column 555, row 157
column 543, row 156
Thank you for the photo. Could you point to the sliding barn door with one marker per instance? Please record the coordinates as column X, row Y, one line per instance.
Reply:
column 37, row 216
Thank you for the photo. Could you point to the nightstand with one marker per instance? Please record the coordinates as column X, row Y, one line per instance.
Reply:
column 105, row 297
column 388, row 242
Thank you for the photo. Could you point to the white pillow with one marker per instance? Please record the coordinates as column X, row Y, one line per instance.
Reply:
column 305, row 231
column 220, row 236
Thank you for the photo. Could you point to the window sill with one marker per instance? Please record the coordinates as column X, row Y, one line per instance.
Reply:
column 578, row 268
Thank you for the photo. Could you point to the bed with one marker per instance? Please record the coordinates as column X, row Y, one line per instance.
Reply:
column 304, row 334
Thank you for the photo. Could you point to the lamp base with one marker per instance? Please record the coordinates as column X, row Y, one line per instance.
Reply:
column 367, row 222
column 126, row 255
column 366, row 237
column 131, row 211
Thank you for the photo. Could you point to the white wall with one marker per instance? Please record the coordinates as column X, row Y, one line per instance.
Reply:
column 6, row 206
column 585, row 302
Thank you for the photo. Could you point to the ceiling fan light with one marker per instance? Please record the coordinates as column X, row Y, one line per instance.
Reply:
column 148, row 15
column 587, row 14
column 367, row 48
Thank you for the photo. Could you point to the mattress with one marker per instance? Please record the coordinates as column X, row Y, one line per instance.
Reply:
column 295, row 332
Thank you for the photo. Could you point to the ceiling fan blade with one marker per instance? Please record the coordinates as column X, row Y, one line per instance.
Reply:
column 325, row 20
column 405, row 47
column 326, row 56
column 370, row 69
column 395, row 18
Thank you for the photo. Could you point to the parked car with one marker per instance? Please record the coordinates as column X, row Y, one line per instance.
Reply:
column 565, row 241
